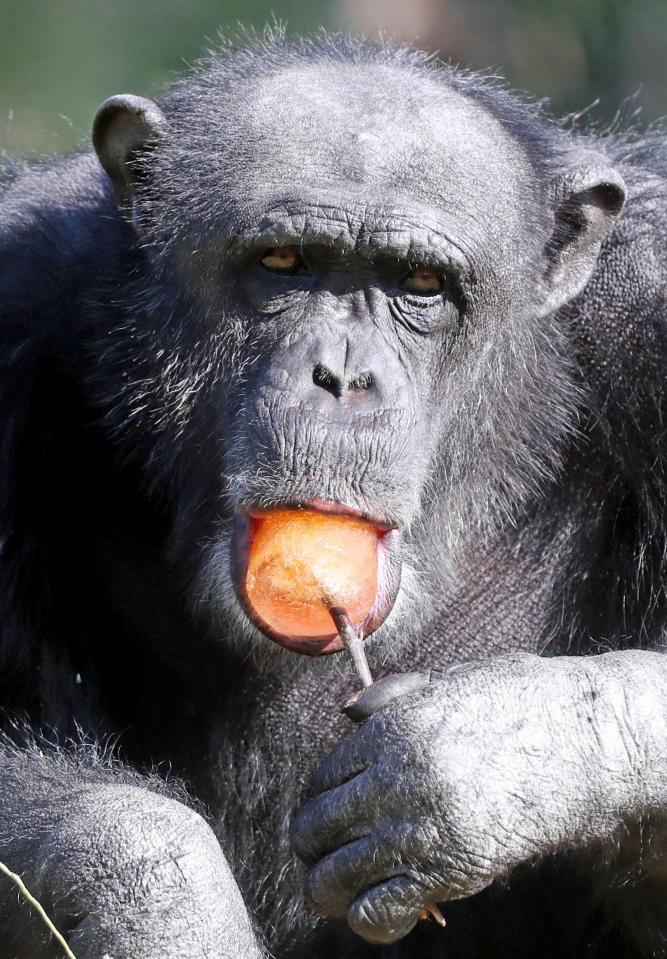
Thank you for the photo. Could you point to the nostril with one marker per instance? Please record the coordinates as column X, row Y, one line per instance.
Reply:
column 364, row 381
column 327, row 380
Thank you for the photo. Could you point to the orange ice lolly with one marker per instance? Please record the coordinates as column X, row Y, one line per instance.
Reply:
column 303, row 562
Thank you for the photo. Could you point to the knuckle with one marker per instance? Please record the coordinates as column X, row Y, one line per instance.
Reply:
column 326, row 897
column 378, row 918
column 365, row 919
column 301, row 839
column 329, row 771
column 296, row 838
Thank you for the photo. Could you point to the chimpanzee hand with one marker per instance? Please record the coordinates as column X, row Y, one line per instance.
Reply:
column 487, row 766
column 119, row 869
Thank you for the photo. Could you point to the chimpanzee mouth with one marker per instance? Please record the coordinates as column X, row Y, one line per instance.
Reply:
column 269, row 562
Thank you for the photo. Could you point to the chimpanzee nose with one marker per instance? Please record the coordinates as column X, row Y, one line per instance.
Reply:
column 337, row 384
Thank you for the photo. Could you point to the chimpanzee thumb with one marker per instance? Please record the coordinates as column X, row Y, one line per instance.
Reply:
column 379, row 694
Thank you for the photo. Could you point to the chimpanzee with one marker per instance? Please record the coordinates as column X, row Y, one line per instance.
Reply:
column 345, row 279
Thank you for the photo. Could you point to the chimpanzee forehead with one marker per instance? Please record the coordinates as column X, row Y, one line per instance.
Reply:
column 351, row 149
column 378, row 125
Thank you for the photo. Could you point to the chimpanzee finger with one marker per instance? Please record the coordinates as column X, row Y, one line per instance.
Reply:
column 349, row 758
column 382, row 692
column 335, row 881
column 389, row 911
column 326, row 822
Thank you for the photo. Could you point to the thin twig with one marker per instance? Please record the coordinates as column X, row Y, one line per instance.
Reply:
column 25, row 892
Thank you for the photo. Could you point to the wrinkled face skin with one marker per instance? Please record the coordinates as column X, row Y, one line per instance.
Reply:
column 371, row 248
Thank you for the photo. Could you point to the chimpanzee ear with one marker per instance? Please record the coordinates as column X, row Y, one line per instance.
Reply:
column 587, row 203
column 125, row 130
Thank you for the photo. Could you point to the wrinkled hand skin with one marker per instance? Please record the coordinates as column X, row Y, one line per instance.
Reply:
column 490, row 765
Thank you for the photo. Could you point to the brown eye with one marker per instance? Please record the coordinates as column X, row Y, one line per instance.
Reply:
column 283, row 258
column 423, row 280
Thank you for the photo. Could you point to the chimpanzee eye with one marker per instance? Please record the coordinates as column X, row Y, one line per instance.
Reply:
column 284, row 259
column 423, row 280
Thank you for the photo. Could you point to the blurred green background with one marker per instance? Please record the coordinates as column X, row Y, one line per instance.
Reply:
column 60, row 58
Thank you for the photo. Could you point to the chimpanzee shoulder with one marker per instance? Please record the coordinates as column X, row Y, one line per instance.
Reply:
column 58, row 227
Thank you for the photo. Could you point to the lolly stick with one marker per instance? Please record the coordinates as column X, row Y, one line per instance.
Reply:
column 353, row 644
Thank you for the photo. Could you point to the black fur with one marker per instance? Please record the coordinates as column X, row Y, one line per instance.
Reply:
column 528, row 481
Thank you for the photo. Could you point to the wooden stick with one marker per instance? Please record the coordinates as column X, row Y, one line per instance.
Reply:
column 353, row 644
column 39, row 909
column 431, row 911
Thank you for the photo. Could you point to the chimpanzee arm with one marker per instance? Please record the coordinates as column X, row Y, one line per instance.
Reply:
column 120, row 868
column 489, row 765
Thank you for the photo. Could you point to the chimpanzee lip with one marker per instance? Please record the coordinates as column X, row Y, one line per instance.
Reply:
column 389, row 573
column 326, row 506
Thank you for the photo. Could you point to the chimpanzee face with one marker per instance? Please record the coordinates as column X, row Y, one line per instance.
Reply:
column 364, row 257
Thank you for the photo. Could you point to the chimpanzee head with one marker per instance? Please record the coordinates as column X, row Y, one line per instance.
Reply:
column 352, row 263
